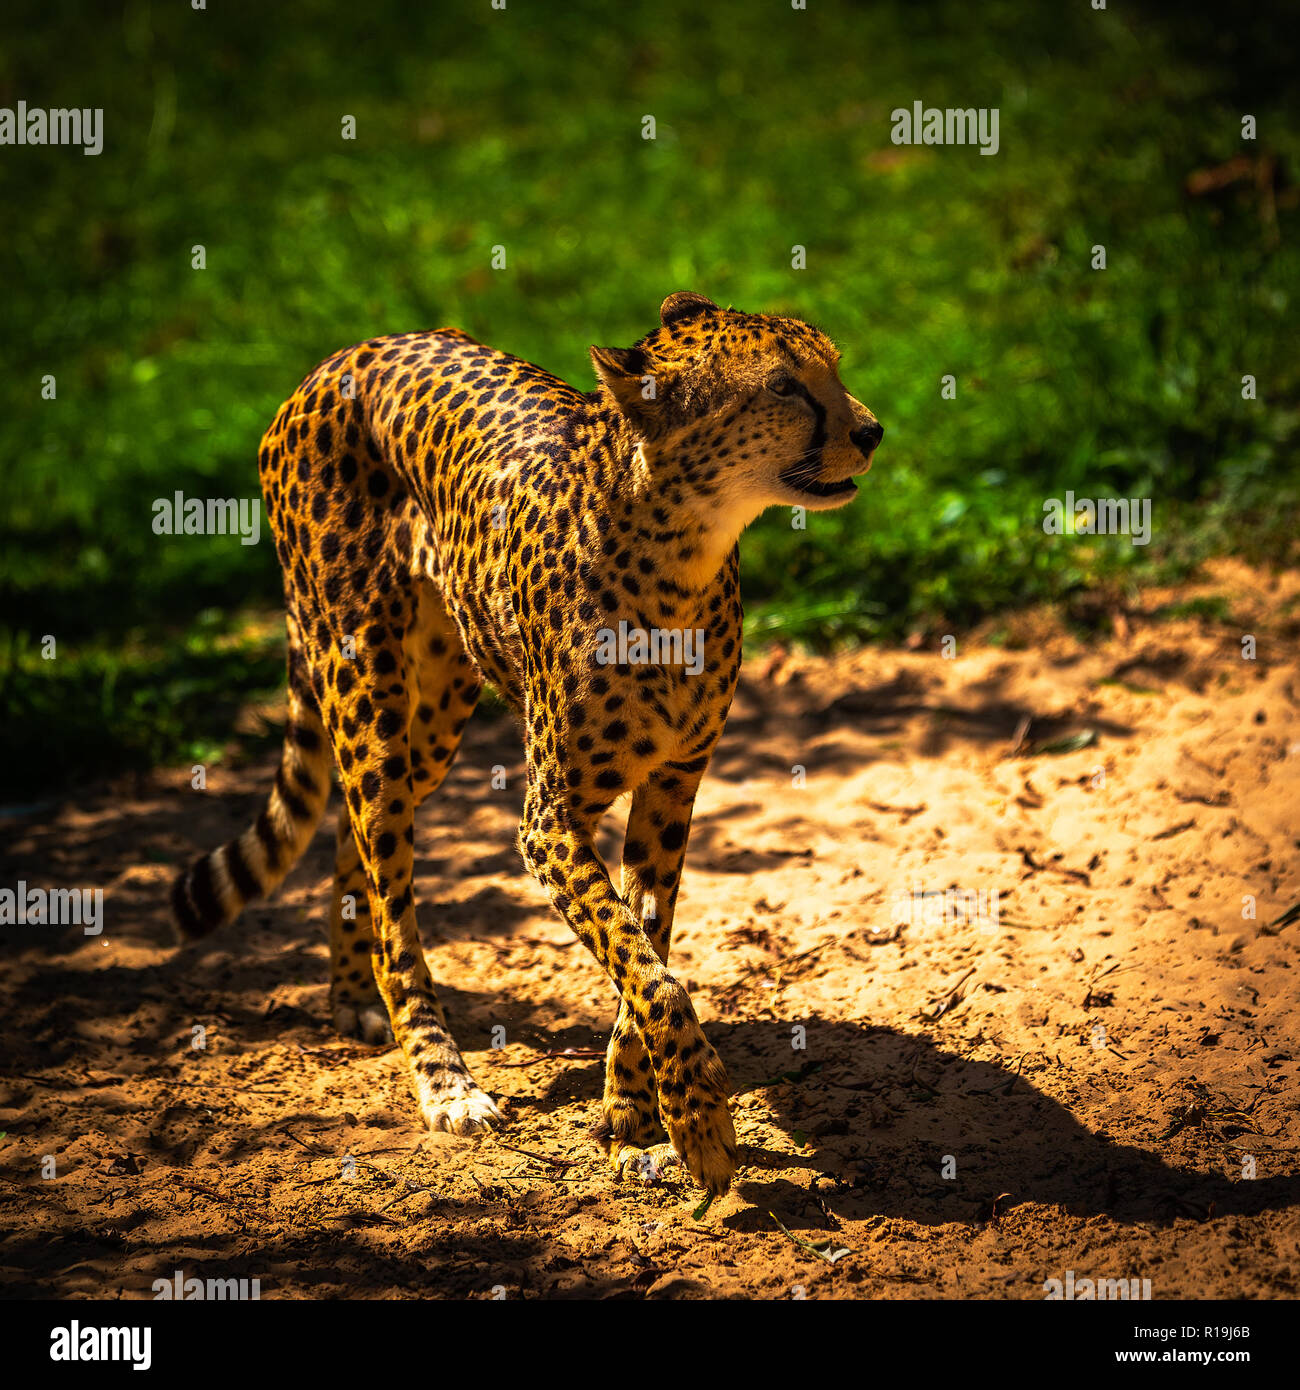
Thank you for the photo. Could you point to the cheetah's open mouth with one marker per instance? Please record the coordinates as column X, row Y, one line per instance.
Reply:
column 814, row 488
column 803, row 478
column 802, row 475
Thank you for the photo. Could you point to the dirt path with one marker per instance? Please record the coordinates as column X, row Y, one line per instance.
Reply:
column 969, row 1108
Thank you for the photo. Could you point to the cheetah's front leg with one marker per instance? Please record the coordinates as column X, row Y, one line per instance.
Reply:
column 653, row 852
column 690, row 1079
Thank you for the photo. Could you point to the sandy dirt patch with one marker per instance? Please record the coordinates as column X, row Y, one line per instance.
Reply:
column 966, row 1108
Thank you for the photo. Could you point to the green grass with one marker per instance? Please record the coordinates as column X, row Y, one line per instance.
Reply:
column 522, row 128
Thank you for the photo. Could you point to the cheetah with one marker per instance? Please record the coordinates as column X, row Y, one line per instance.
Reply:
column 446, row 514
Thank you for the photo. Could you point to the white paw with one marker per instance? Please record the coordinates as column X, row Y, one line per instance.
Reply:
column 646, row 1165
column 466, row 1114
column 369, row 1022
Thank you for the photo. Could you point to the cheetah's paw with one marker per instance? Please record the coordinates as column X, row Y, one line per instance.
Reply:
column 369, row 1022
column 705, row 1141
column 463, row 1114
column 642, row 1165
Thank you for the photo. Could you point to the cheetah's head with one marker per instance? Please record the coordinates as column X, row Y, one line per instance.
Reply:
column 742, row 410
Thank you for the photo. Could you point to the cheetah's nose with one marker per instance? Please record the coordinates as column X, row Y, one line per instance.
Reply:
column 867, row 437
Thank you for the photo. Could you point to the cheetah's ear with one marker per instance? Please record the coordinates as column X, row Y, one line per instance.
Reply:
column 683, row 305
column 627, row 375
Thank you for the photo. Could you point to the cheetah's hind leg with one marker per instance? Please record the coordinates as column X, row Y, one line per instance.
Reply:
column 356, row 1006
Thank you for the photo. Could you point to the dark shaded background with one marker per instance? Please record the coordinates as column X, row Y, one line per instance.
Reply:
column 523, row 128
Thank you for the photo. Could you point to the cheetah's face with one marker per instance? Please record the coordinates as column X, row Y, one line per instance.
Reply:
column 747, row 410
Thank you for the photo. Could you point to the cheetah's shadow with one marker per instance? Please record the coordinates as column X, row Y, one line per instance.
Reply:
column 871, row 1115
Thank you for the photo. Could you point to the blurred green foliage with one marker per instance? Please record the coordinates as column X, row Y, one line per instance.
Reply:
column 523, row 128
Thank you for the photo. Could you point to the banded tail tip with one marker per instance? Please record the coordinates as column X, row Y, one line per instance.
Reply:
column 195, row 907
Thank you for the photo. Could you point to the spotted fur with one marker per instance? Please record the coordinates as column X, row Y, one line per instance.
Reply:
column 445, row 513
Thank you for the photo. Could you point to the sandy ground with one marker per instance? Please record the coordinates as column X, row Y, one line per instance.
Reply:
column 1103, row 1079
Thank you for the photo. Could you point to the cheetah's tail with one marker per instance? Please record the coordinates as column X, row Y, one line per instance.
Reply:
column 217, row 887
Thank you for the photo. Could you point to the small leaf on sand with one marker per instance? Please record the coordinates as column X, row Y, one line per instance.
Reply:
column 1072, row 744
column 824, row 1249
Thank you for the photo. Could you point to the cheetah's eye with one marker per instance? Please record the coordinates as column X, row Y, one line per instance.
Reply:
column 783, row 386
